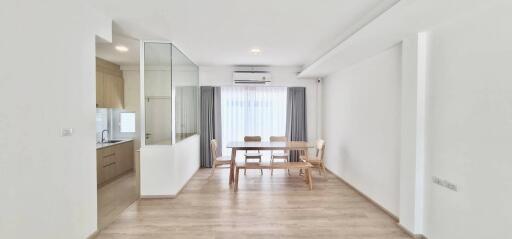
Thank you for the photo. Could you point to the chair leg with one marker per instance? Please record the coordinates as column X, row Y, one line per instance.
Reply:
column 271, row 168
column 309, row 180
column 245, row 170
column 261, row 170
column 323, row 169
column 237, row 172
column 287, row 160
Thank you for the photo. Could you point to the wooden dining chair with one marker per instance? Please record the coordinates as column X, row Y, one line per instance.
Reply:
column 318, row 160
column 252, row 154
column 280, row 154
column 217, row 161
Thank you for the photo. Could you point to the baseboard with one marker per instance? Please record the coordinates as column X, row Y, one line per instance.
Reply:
column 157, row 197
column 365, row 196
column 416, row 236
column 94, row 234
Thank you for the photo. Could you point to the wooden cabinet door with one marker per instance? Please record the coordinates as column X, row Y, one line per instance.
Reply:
column 99, row 90
column 113, row 91
column 99, row 166
column 125, row 157
column 109, row 85
column 130, row 157
column 108, row 88
column 108, row 164
column 118, row 99
column 120, row 158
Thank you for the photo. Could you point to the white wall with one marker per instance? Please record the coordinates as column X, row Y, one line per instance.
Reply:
column 469, row 125
column 47, row 82
column 281, row 76
column 361, row 126
column 467, row 120
column 165, row 169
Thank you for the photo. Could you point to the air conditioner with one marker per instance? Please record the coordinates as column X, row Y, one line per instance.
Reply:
column 251, row 78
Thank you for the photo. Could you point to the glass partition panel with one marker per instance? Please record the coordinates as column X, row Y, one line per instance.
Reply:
column 185, row 83
column 157, row 93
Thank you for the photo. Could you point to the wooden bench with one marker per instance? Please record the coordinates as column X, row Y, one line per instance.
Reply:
column 276, row 165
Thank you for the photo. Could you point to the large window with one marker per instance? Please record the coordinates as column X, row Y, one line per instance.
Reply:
column 252, row 111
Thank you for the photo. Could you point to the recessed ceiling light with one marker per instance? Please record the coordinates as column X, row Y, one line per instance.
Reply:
column 255, row 51
column 121, row 48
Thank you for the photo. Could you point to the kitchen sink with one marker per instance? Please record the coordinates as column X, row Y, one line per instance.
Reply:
column 113, row 141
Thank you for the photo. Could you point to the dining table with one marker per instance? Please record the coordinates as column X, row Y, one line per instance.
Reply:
column 300, row 146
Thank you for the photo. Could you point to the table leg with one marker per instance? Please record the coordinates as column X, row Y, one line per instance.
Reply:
column 302, row 153
column 309, row 179
column 232, row 166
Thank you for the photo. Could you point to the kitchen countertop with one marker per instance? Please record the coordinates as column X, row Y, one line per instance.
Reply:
column 105, row 145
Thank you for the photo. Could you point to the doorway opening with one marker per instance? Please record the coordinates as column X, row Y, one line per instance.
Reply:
column 117, row 126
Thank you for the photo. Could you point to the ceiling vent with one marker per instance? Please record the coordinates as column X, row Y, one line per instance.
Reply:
column 251, row 78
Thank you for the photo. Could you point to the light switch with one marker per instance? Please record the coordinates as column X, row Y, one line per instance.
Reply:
column 67, row 132
column 444, row 183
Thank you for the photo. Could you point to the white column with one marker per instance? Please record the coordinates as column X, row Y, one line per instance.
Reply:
column 412, row 161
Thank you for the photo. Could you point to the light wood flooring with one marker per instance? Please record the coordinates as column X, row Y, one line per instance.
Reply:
column 278, row 206
column 115, row 197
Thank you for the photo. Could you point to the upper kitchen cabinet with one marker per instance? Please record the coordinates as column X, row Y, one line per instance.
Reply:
column 109, row 85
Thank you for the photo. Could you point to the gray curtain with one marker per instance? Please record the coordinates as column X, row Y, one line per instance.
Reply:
column 210, row 123
column 296, row 125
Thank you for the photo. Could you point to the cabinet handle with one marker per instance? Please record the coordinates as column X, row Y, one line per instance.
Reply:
column 110, row 164
column 106, row 156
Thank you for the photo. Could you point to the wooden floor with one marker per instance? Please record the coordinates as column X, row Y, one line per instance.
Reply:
column 115, row 197
column 265, row 206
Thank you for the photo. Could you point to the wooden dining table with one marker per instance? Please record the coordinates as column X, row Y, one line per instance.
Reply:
column 300, row 146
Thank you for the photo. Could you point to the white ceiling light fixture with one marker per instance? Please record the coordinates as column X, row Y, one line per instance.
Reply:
column 256, row 51
column 121, row 48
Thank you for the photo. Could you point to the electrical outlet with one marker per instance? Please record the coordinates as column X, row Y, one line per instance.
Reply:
column 67, row 132
column 444, row 183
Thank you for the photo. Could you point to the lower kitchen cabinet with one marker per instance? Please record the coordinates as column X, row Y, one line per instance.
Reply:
column 113, row 161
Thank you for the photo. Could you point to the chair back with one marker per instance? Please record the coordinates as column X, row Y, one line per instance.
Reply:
column 252, row 139
column 320, row 147
column 279, row 139
column 213, row 149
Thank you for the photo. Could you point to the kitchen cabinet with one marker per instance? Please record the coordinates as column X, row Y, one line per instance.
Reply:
column 113, row 161
column 109, row 85
column 125, row 152
column 99, row 89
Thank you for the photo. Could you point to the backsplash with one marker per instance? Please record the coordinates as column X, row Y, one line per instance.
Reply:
column 101, row 122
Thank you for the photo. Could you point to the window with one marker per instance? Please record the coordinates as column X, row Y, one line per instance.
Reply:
column 127, row 122
column 252, row 111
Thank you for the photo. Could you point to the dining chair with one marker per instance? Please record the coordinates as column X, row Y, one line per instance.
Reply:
column 252, row 154
column 217, row 161
column 318, row 160
column 281, row 154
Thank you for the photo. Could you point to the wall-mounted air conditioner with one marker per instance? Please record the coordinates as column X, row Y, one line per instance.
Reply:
column 251, row 78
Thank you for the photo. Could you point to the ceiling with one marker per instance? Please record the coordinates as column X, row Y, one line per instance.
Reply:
column 222, row 32
column 108, row 52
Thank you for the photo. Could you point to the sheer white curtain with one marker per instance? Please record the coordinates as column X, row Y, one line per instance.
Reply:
column 246, row 110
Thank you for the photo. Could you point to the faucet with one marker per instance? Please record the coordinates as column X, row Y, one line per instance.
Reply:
column 102, row 137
